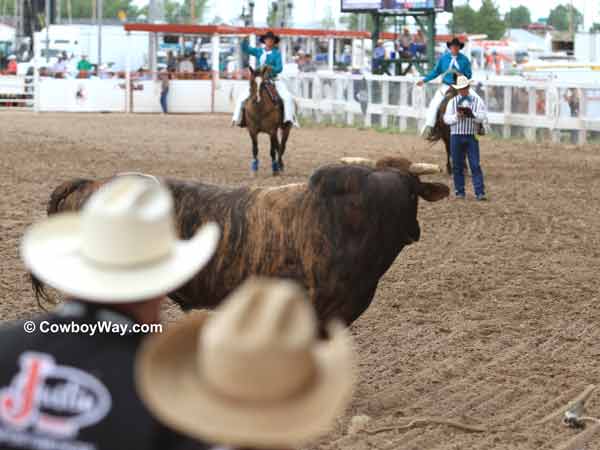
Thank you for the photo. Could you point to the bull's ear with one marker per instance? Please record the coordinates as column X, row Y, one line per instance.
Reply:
column 432, row 192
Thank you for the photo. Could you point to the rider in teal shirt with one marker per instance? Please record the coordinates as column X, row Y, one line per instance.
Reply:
column 269, row 55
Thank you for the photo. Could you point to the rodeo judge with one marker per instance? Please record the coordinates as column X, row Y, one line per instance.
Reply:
column 271, row 56
column 465, row 114
column 449, row 66
column 66, row 378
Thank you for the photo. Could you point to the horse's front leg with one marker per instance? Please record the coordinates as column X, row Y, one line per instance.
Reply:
column 254, row 137
column 274, row 152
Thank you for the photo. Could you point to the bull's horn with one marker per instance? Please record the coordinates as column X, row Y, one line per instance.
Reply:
column 424, row 169
column 359, row 161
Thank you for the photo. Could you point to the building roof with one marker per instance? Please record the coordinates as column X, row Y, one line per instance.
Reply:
column 526, row 38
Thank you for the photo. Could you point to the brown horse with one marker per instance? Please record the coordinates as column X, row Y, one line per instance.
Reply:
column 441, row 130
column 263, row 113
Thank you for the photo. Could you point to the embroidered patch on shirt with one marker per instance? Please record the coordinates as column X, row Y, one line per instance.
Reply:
column 50, row 399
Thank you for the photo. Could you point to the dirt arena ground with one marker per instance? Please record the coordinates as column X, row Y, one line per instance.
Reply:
column 491, row 319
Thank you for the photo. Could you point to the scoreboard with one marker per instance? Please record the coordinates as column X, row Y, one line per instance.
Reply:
column 392, row 6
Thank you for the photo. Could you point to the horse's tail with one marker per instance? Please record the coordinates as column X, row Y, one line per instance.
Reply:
column 56, row 204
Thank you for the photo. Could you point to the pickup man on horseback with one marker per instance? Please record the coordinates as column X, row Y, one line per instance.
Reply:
column 449, row 66
column 268, row 56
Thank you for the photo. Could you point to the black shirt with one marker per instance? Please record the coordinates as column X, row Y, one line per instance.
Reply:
column 62, row 390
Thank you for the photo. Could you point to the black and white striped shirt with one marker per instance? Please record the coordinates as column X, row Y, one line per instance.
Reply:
column 465, row 125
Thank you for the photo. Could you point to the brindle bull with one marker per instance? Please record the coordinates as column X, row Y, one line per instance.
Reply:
column 336, row 234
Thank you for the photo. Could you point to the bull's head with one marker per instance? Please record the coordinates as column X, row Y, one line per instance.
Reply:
column 432, row 192
column 379, row 200
column 257, row 77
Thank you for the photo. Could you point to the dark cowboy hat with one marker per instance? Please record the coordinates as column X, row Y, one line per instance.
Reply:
column 455, row 41
column 271, row 35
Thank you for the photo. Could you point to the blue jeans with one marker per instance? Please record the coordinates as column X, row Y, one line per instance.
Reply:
column 459, row 143
column 163, row 100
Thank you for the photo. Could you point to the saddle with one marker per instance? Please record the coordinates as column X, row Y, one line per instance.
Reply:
column 272, row 91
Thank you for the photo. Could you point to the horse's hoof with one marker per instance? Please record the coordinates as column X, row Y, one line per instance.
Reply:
column 275, row 166
column 281, row 166
column 255, row 165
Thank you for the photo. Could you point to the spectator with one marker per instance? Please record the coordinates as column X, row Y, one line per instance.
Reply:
column 202, row 63
column 497, row 59
column 378, row 57
column 405, row 43
column 301, row 60
column 419, row 44
column 253, row 374
column 171, row 61
column 116, row 260
column 12, row 67
column 308, row 65
column 186, row 66
column 572, row 99
column 60, row 68
column 346, row 58
column 164, row 90
column 84, row 65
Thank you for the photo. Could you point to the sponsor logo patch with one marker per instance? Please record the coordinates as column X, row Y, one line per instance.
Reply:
column 52, row 399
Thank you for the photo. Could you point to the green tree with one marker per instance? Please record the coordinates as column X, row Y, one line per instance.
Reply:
column 560, row 17
column 484, row 21
column 272, row 15
column 489, row 21
column 518, row 17
column 463, row 19
column 328, row 22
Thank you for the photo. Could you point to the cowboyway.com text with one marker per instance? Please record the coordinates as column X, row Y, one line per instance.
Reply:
column 92, row 329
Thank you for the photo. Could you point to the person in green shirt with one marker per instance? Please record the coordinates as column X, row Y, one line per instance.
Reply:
column 84, row 65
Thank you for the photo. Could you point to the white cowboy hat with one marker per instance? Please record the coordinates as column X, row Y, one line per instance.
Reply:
column 252, row 374
column 11, row 57
column 462, row 82
column 122, row 247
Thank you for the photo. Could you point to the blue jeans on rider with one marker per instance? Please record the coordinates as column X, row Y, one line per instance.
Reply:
column 459, row 144
column 163, row 100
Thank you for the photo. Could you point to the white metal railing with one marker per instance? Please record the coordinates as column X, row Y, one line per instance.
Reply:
column 516, row 107
column 16, row 92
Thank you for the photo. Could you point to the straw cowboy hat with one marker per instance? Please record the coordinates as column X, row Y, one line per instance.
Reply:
column 462, row 82
column 122, row 247
column 455, row 41
column 271, row 35
column 252, row 374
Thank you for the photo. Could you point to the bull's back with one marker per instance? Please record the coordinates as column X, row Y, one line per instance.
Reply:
column 257, row 237
column 71, row 195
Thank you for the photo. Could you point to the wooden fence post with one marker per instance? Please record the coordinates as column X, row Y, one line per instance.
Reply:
column 582, row 133
column 530, row 132
column 385, row 102
column 402, row 123
column 506, row 132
